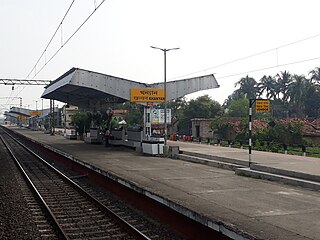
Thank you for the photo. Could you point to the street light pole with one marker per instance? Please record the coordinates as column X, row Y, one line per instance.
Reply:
column 165, row 50
column 20, row 102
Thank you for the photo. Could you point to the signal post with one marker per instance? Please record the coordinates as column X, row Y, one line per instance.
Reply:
column 262, row 105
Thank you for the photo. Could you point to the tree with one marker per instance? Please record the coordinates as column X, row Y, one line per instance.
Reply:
column 282, row 133
column 134, row 117
column 238, row 108
column 315, row 75
column 222, row 127
column 248, row 87
column 297, row 92
column 97, row 118
column 202, row 107
column 312, row 102
column 267, row 85
column 283, row 80
column 81, row 121
column 236, row 95
column 177, row 107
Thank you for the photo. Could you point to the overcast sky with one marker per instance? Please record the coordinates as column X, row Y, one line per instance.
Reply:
column 117, row 39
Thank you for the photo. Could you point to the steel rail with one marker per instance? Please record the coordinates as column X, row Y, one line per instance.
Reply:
column 34, row 189
column 135, row 232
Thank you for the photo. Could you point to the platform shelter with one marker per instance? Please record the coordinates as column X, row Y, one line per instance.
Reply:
column 94, row 91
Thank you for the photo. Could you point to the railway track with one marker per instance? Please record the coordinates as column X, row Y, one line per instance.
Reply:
column 152, row 219
column 75, row 213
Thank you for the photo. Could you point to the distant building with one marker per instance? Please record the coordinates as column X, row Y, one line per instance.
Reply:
column 41, row 121
column 201, row 128
column 67, row 111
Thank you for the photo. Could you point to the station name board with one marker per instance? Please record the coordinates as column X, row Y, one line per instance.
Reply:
column 262, row 105
column 35, row 113
column 147, row 95
column 20, row 117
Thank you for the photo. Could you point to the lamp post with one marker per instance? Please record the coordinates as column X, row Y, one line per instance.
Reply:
column 20, row 101
column 36, row 104
column 165, row 50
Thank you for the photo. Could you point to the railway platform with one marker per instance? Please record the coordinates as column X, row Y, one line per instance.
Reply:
column 293, row 163
column 240, row 207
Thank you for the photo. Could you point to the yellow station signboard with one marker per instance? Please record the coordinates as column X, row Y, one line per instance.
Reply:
column 147, row 95
column 262, row 105
column 35, row 113
column 21, row 117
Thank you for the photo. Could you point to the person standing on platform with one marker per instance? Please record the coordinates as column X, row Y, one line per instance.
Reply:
column 106, row 137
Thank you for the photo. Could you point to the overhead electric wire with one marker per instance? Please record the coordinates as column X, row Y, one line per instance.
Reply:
column 69, row 38
column 223, row 64
column 62, row 45
column 250, row 56
column 55, row 33
column 266, row 68
column 45, row 49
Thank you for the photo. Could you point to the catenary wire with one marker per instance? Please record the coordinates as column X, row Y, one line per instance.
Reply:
column 96, row 8
column 250, row 56
column 55, row 33
column 48, row 44
column 223, row 64
column 69, row 38
column 271, row 67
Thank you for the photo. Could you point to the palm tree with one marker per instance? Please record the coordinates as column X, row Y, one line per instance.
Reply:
column 312, row 103
column 297, row 92
column 283, row 81
column 248, row 87
column 315, row 75
column 267, row 85
column 236, row 95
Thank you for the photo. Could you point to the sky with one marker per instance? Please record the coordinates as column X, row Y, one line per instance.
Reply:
column 116, row 41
